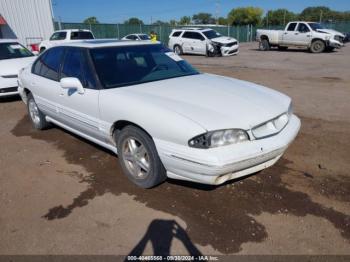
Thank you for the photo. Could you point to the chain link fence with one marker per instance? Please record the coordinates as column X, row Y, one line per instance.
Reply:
column 244, row 33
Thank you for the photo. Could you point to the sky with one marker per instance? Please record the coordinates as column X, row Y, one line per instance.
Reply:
column 117, row 11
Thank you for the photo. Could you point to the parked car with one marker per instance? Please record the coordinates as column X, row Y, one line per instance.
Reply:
column 310, row 35
column 347, row 37
column 13, row 57
column 63, row 36
column 159, row 114
column 137, row 37
column 202, row 41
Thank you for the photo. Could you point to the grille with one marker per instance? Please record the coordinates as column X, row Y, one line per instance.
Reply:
column 271, row 127
column 339, row 38
column 231, row 44
column 8, row 90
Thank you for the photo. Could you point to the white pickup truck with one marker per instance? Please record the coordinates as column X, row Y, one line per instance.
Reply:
column 63, row 36
column 310, row 35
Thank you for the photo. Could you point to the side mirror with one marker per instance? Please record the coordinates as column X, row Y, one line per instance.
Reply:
column 72, row 83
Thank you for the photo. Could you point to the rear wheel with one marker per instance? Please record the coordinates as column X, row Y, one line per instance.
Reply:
column 264, row 45
column 36, row 116
column 178, row 50
column 317, row 46
column 139, row 158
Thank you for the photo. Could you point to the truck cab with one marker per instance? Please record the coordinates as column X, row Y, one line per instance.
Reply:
column 310, row 35
column 63, row 36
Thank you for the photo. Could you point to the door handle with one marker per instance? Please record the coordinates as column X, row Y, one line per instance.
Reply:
column 308, row 35
column 285, row 33
column 296, row 33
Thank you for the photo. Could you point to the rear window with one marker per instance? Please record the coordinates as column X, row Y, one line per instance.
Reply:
column 176, row 34
column 291, row 26
column 193, row 35
column 80, row 35
column 13, row 50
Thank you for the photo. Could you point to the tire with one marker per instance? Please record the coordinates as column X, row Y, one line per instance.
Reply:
column 42, row 50
column 139, row 158
column 330, row 49
column 264, row 45
column 36, row 116
column 282, row 48
column 178, row 50
column 317, row 46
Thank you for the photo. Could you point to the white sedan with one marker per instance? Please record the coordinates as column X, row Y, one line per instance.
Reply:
column 137, row 37
column 159, row 114
column 13, row 57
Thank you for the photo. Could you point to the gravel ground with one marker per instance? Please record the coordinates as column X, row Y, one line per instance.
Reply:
column 60, row 194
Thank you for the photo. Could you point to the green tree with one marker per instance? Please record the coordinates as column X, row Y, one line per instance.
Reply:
column 160, row 22
column 222, row 21
column 173, row 22
column 317, row 13
column 133, row 21
column 203, row 18
column 245, row 16
column 185, row 20
column 91, row 20
column 279, row 17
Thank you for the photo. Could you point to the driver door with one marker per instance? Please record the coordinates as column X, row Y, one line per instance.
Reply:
column 80, row 111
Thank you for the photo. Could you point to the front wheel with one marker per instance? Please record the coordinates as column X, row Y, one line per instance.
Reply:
column 139, row 158
column 317, row 46
column 36, row 116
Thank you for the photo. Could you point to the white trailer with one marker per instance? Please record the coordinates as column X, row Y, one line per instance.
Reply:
column 29, row 21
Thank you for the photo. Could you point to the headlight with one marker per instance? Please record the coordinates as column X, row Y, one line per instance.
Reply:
column 219, row 138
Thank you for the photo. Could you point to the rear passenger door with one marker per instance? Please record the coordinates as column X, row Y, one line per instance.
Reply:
column 44, row 82
column 80, row 111
column 289, row 36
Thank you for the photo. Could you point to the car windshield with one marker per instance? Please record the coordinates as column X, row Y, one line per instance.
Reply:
column 316, row 26
column 13, row 50
column 211, row 34
column 144, row 37
column 136, row 64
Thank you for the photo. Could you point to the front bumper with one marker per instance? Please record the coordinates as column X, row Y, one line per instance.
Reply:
column 218, row 165
column 229, row 51
column 8, row 86
column 335, row 43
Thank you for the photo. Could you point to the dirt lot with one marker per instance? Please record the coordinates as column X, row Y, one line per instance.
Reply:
column 63, row 195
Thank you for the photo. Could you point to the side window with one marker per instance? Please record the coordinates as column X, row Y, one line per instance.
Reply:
column 76, row 65
column 188, row 35
column 198, row 36
column 291, row 26
column 58, row 36
column 303, row 28
column 72, row 64
column 176, row 33
column 48, row 64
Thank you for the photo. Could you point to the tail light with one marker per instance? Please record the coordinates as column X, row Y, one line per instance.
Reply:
column 34, row 47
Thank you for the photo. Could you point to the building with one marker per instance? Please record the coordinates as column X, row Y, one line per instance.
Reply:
column 29, row 21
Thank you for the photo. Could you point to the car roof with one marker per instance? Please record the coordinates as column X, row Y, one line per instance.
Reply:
column 106, row 43
column 192, row 29
column 8, row 40
column 73, row 30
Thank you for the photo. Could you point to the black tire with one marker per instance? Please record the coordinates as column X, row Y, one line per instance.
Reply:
column 330, row 49
column 38, row 120
column 282, row 48
column 317, row 46
column 178, row 50
column 42, row 50
column 264, row 45
column 156, row 172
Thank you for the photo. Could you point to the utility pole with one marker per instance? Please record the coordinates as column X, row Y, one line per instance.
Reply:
column 217, row 11
column 284, row 18
column 321, row 16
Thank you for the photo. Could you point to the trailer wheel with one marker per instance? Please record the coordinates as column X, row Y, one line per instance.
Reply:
column 264, row 45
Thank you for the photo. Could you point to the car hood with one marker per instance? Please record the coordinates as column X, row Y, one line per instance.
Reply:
column 12, row 66
column 214, row 102
column 330, row 31
column 223, row 39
